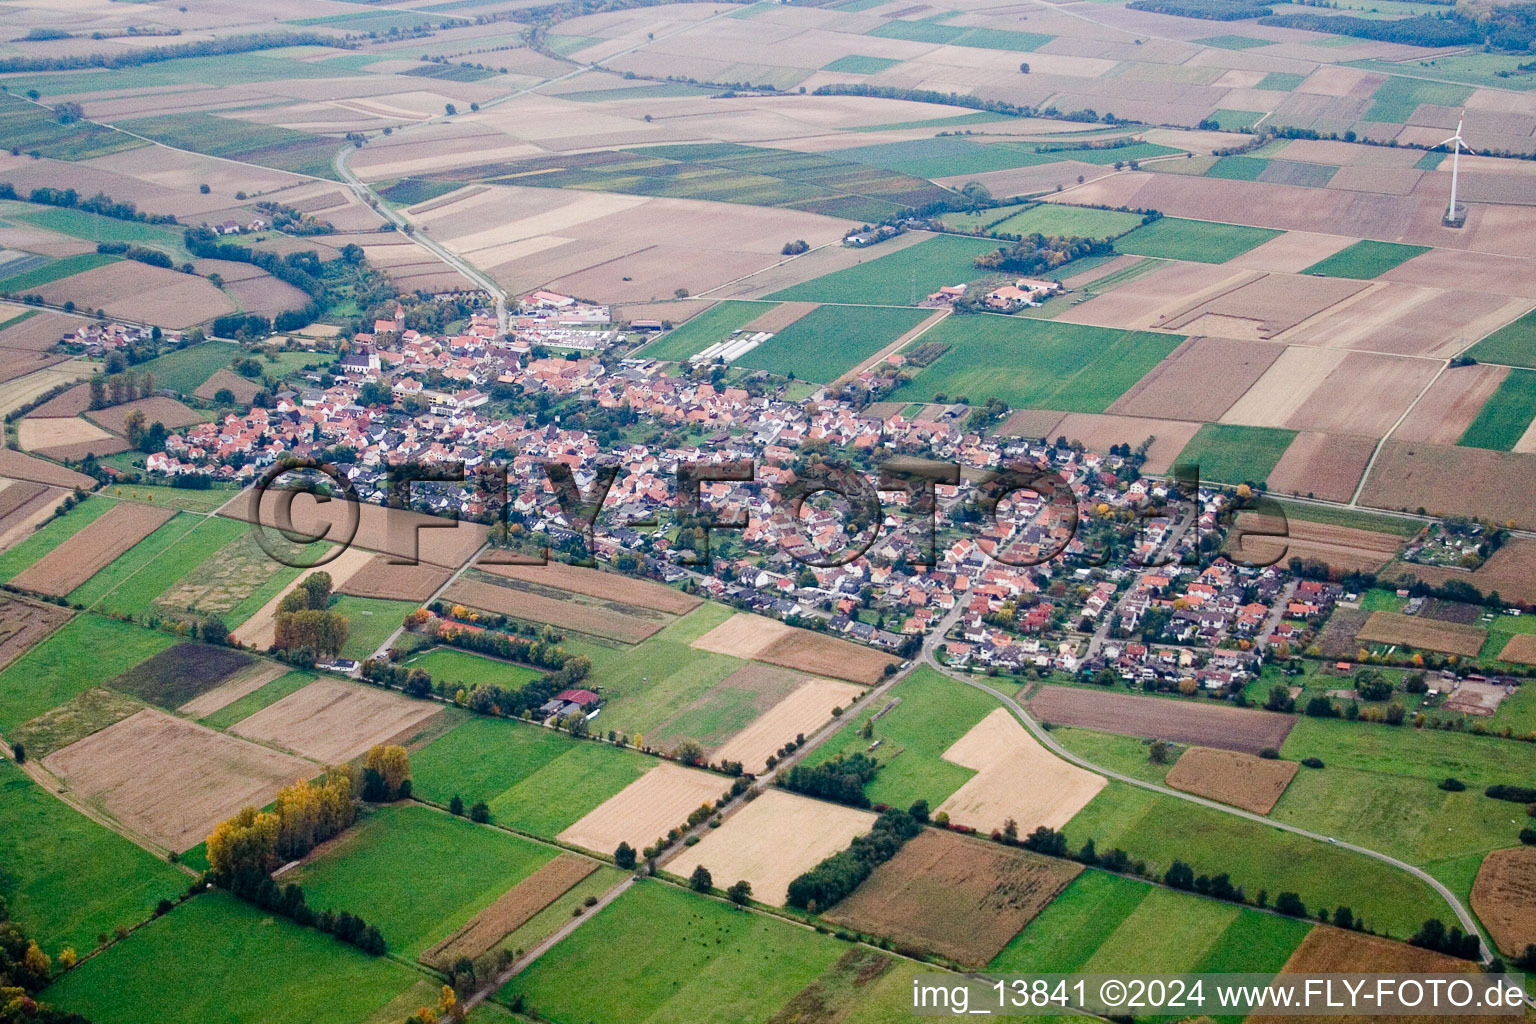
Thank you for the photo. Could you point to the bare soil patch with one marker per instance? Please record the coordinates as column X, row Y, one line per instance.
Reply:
column 17, row 466
column 781, row 316
column 515, row 908
column 644, row 809
column 19, row 523
column 249, row 681
column 178, row 674
column 1016, row 777
column 400, row 534
column 1326, row 466
column 1166, row 718
column 1451, row 480
column 173, row 780
column 1284, row 387
column 156, row 410
column 772, row 841
column 36, row 434
column 137, row 291
column 1026, row 423
column 92, row 549
column 1521, row 649
column 240, row 387
column 743, row 635
column 1200, row 380
column 823, row 655
column 1365, row 394
column 1273, row 303
column 332, row 721
column 801, row 712
column 24, row 624
column 1242, row 780
column 961, row 898
column 41, row 331
column 610, row 619
column 1345, row 549
column 596, row 583
column 380, row 577
column 71, row 403
column 1424, row 634
column 1505, row 898
column 1292, row 252
column 1098, row 432
column 1451, row 404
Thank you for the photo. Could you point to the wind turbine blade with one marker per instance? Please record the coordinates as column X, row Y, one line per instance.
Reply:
column 1447, row 142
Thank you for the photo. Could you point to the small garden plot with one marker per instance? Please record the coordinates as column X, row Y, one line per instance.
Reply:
column 171, row 780
column 645, row 809
column 92, row 549
column 597, row 583
column 800, row 713
column 961, row 898
column 108, row 881
column 831, row 340
column 456, row 868
column 73, row 720
column 772, row 841
column 1242, row 780
column 613, row 620
column 1016, row 778
column 1199, row 241
column 176, row 675
column 513, row 909
column 334, row 721
column 1366, row 259
column 1422, row 634
column 1505, row 898
column 24, row 624
column 84, row 651
column 685, row 958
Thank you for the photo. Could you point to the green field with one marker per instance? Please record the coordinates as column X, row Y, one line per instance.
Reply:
column 271, row 693
column 269, row 145
column 1397, row 98
column 54, row 533
column 1162, row 829
column 1237, row 120
column 1199, row 241
column 370, row 621
column 471, row 670
column 1238, row 168
column 934, row 712
column 1124, row 754
column 683, row 958
column 648, row 683
column 941, row 156
column 515, row 768
column 33, row 128
column 1419, row 753
column 1514, row 344
column 853, row 64
column 831, row 340
column 86, row 651
column 1231, row 454
column 1506, row 415
column 131, row 588
column 133, row 560
column 714, row 324
column 96, row 228
column 219, row 959
column 1358, row 519
column 1280, row 81
column 456, row 869
column 185, row 370
column 891, row 280
column 1234, row 42
column 65, row 878
column 187, row 498
column 1365, row 260
column 1035, row 364
column 55, row 270
column 1068, row 221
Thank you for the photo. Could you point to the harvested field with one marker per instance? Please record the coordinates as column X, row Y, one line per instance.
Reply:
column 172, row 780
column 1148, row 291
column 515, row 908
column 961, row 898
column 772, row 841
column 178, row 674
column 1242, row 780
column 1259, row 309
column 240, row 387
column 1181, row 721
column 1450, row 405
column 1504, row 898
column 137, row 291
column 1015, row 778
column 379, row 577
column 1344, row 548
column 778, row 317
column 1326, row 466
column 24, row 624
column 1284, row 387
column 1022, row 423
column 610, row 619
column 42, row 330
column 400, row 534
column 156, row 410
column 1521, row 649
column 36, row 434
column 824, row 655
column 1328, row 950
column 1423, row 634
column 16, row 466
column 258, row 675
column 1365, row 394
column 1451, row 480
column 645, row 809
column 1199, row 381
column 261, row 628
column 332, row 721
column 1291, row 253
column 596, row 583
column 19, row 523
column 71, row 403
column 1099, row 431
column 92, row 549
column 15, row 494
column 800, row 713
column 743, row 636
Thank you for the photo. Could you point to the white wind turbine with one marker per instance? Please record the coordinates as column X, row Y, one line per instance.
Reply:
column 1450, row 210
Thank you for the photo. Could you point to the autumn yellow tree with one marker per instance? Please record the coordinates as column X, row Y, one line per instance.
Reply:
column 386, row 773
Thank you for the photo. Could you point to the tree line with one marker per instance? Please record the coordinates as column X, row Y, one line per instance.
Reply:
column 100, row 204
column 133, row 57
column 842, row 779
column 827, row 883
column 25, row 970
